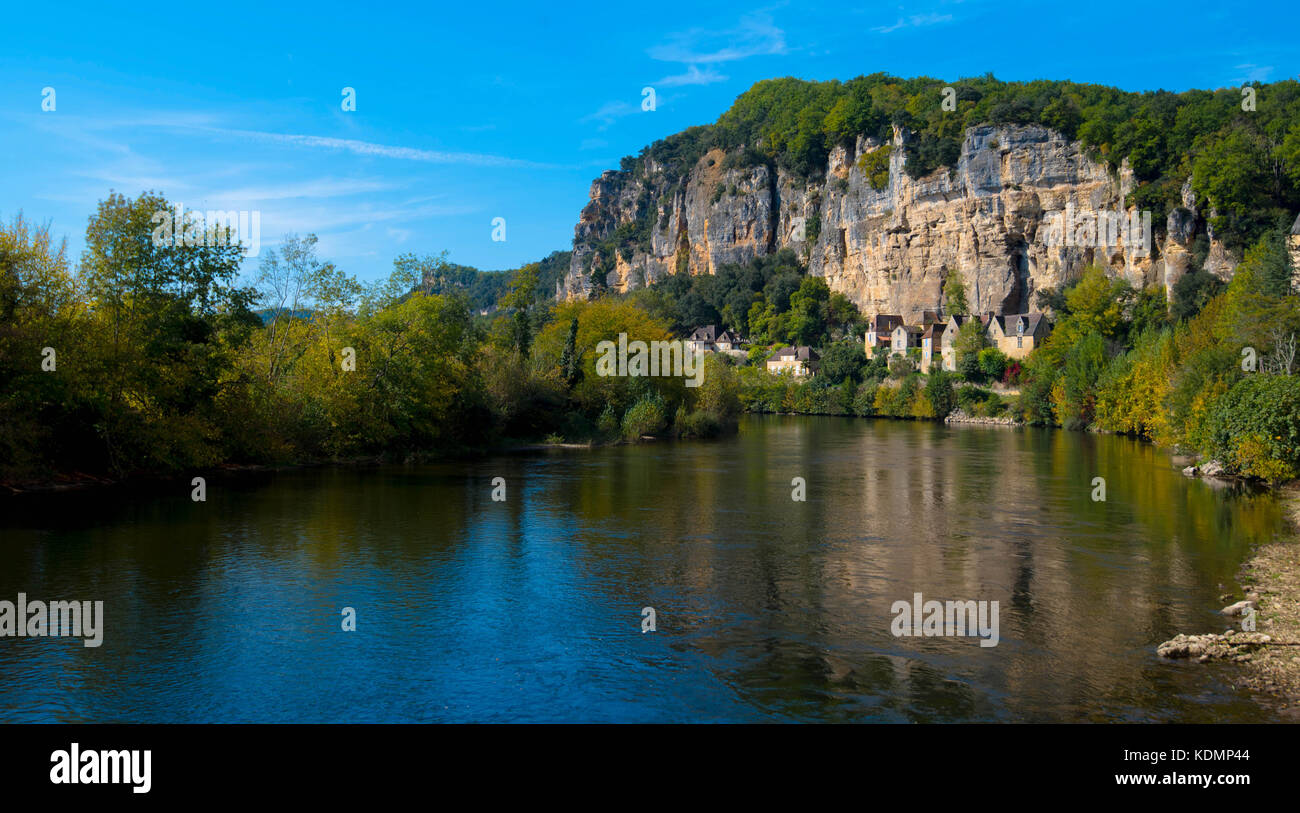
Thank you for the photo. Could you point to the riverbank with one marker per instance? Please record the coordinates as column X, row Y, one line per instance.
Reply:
column 1268, row 650
column 1273, row 574
column 81, row 481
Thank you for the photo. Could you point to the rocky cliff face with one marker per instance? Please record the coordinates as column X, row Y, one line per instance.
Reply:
column 1023, row 209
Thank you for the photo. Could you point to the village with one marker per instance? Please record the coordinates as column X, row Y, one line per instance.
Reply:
column 929, row 343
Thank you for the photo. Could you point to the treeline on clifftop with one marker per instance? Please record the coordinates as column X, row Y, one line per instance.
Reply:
column 1244, row 164
column 157, row 359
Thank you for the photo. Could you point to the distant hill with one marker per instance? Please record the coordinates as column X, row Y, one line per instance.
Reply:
column 485, row 288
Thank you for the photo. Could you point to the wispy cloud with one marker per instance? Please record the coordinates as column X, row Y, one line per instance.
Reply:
column 755, row 35
column 693, row 76
column 609, row 113
column 313, row 189
column 1253, row 72
column 370, row 149
column 914, row 21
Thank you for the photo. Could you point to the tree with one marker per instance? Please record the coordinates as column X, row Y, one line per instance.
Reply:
column 808, row 311
column 1191, row 292
column 1075, row 393
column 939, row 391
column 170, row 314
column 954, row 291
column 519, row 298
column 843, row 361
column 571, row 359
column 971, row 339
column 992, row 363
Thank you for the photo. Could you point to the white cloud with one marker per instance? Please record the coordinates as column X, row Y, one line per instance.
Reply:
column 370, row 149
column 693, row 76
column 755, row 35
column 1253, row 73
column 609, row 113
column 914, row 21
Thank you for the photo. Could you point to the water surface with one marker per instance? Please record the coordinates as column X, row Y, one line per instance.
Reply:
column 768, row 609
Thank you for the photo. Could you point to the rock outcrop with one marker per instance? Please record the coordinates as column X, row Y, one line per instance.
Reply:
column 1012, row 216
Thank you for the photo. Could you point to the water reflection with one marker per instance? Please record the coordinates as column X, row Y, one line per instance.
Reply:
column 768, row 609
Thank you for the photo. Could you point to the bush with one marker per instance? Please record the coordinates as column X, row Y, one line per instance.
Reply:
column 968, row 367
column 699, row 424
column 607, row 423
column 1254, row 428
column 645, row 417
column 900, row 367
column 993, row 363
column 864, row 402
column 939, row 392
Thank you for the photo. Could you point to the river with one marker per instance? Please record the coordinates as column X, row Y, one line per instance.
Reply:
column 529, row 608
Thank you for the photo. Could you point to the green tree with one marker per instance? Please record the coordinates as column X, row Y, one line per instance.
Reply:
column 954, row 291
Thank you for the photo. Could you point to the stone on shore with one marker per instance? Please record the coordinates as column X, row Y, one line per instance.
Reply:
column 1231, row 646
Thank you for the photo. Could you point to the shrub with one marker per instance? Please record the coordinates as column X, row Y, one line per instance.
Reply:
column 968, row 367
column 900, row 367
column 939, row 393
column 971, row 399
column 699, row 424
column 993, row 363
column 1254, row 428
column 645, row 417
column 864, row 402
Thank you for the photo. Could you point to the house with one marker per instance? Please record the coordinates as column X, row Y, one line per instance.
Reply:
column 947, row 342
column 1016, row 334
column 799, row 361
column 1293, row 244
column 879, row 330
column 713, row 339
column 904, row 338
column 931, row 344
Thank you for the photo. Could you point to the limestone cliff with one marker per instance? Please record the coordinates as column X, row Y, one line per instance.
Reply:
column 1012, row 215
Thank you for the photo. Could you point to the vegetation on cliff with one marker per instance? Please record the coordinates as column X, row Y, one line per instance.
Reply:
column 1242, row 152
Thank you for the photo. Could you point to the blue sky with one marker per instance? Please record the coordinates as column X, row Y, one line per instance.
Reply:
column 467, row 112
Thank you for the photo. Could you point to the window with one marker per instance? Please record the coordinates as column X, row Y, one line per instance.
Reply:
column 1020, row 341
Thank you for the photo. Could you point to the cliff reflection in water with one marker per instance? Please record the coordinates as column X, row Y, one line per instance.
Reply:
column 530, row 609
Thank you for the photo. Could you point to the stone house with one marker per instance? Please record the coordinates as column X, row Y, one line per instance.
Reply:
column 947, row 342
column 1016, row 334
column 714, row 339
column 931, row 344
column 798, row 361
column 879, row 330
column 904, row 338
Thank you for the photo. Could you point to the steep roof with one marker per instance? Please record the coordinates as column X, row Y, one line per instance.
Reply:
column 800, row 353
column 885, row 322
column 1007, row 322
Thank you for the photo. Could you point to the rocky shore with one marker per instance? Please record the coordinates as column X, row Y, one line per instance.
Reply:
column 960, row 416
column 1270, row 654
